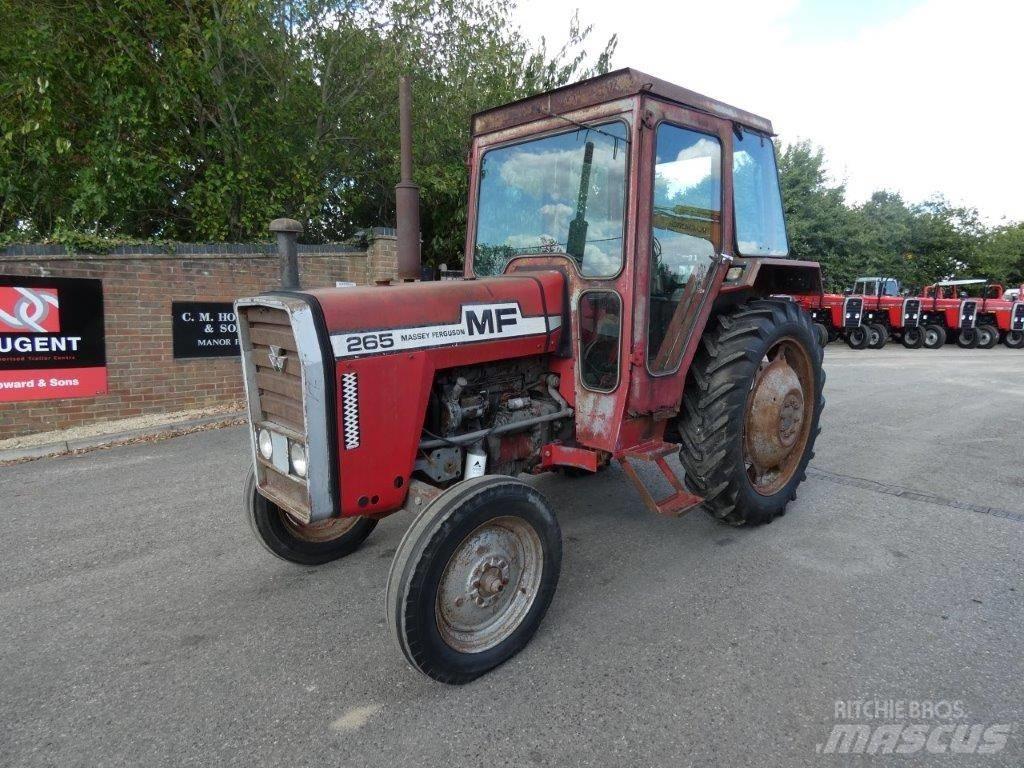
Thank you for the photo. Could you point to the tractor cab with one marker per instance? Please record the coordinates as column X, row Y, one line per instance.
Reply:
column 647, row 198
column 876, row 287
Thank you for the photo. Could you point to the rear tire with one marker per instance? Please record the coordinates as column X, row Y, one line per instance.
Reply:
column 988, row 336
column 967, row 338
column 735, row 375
column 913, row 338
column 473, row 577
column 289, row 539
column 934, row 337
column 857, row 338
column 1014, row 339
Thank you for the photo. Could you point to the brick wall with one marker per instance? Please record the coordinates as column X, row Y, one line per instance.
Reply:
column 138, row 287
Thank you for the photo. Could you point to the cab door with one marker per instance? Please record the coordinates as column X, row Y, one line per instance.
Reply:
column 683, row 247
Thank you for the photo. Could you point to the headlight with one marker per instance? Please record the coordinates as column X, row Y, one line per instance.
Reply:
column 266, row 445
column 297, row 453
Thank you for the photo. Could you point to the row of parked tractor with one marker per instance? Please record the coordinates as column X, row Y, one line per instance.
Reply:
column 969, row 313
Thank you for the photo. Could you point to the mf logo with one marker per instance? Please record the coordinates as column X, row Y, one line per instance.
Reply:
column 29, row 310
column 278, row 358
column 487, row 321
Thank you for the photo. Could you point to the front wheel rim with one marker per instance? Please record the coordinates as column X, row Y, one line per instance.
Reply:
column 489, row 584
column 780, row 409
column 320, row 532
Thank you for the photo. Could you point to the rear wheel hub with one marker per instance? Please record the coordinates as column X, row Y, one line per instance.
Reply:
column 778, row 417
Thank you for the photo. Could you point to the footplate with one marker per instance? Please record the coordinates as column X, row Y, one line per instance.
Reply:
column 673, row 505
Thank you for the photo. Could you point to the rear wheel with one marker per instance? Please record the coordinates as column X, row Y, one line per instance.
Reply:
column 286, row 536
column 857, row 338
column 473, row 577
column 750, row 411
column 913, row 338
column 988, row 336
column 934, row 337
column 967, row 338
column 878, row 335
column 1014, row 339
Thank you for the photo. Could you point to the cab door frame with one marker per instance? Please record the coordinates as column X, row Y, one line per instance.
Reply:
column 656, row 397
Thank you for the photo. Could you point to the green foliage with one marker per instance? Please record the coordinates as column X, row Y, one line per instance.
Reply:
column 205, row 119
column 886, row 236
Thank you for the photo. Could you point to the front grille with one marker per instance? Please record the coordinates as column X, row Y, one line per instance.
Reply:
column 279, row 391
column 274, row 373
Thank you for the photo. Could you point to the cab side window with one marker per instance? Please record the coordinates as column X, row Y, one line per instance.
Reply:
column 686, row 233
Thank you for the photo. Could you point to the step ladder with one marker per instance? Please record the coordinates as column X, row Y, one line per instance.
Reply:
column 673, row 505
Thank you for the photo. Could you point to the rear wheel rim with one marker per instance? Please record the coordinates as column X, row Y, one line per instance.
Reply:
column 780, row 410
column 489, row 585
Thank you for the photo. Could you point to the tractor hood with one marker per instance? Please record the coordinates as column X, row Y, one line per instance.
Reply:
column 389, row 319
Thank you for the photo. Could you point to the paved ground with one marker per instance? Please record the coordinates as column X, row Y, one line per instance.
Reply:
column 142, row 625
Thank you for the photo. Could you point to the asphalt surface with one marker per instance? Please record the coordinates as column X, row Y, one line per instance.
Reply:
column 142, row 625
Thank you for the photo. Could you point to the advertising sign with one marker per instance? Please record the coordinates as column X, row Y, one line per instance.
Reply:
column 204, row 329
column 51, row 338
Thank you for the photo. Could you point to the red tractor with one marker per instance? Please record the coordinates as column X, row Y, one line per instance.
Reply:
column 862, row 315
column 973, row 312
column 625, row 238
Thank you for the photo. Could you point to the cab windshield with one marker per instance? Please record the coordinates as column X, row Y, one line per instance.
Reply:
column 557, row 194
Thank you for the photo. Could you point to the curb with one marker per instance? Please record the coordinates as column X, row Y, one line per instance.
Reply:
column 62, row 447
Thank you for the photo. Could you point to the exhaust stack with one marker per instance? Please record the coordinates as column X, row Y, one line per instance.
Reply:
column 407, row 194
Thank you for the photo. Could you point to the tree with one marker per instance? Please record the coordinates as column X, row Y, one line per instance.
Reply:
column 204, row 119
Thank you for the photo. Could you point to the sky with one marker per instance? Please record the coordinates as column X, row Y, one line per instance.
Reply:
column 921, row 97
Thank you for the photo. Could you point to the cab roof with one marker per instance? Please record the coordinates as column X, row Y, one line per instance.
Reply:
column 975, row 281
column 620, row 84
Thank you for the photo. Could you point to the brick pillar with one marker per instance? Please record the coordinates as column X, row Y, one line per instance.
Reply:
column 382, row 255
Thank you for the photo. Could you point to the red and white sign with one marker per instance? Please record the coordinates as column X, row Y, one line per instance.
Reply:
column 52, row 342
column 52, row 383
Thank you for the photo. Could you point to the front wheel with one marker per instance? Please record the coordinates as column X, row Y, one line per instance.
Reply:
column 751, row 408
column 473, row 577
column 988, row 336
column 1014, row 339
column 967, row 338
column 934, row 336
column 858, row 338
column 287, row 537
column 878, row 335
column 913, row 338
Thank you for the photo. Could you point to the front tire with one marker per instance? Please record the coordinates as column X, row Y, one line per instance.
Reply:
column 823, row 335
column 858, row 338
column 1014, row 339
column 878, row 335
column 988, row 336
column 934, row 337
column 913, row 338
column 751, row 410
column 967, row 338
column 473, row 577
column 305, row 543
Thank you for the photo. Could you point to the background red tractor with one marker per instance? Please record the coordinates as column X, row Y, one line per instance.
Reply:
column 625, row 236
column 973, row 312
